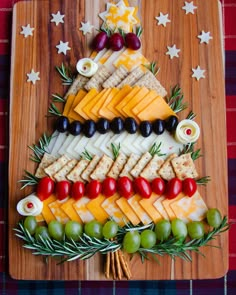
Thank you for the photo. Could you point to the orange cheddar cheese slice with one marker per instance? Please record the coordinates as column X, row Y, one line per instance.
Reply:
column 59, row 214
column 69, row 210
column 128, row 211
column 68, row 104
column 126, row 99
column 86, row 99
column 138, row 209
column 100, row 101
column 72, row 114
column 131, row 59
column 39, row 218
column 105, row 57
column 167, row 205
column 158, row 109
column 112, row 209
column 94, row 206
column 104, row 111
column 145, row 102
column 147, row 205
column 190, row 209
column 46, row 212
column 81, row 209
column 160, row 208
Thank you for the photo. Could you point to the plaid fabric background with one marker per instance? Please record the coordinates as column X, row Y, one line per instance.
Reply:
column 225, row 285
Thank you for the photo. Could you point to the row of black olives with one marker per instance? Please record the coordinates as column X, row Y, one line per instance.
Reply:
column 117, row 125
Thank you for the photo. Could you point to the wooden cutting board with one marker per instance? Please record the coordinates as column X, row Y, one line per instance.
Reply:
column 29, row 106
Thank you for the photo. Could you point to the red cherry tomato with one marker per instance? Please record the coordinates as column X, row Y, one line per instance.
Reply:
column 62, row 189
column 142, row 187
column 109, row 187
column 93, row 189
column 125, row 187
column 116, row 42
column 189, row 186
column 173, row 188
column 77, row 190
column 45, row 188
column 158, row 186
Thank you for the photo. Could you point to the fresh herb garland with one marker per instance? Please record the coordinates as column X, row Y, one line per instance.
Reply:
column 87, row 247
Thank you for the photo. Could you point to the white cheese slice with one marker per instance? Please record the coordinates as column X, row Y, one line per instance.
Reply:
column 128, row 143
column 147, row 142
column 138, row 209
column 99, row 55
column 81, row 145
column 90, row 147
column 70, row 148
column 52, row 142
column 137, row 145
column 82, row 210
column 115, row 55
column 58, row 143
column 160, row 208
column 66, row 143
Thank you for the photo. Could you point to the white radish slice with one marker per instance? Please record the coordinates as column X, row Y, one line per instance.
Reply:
column 70, row 149
column 58, row 143
column 52, row 141
column 65, row 144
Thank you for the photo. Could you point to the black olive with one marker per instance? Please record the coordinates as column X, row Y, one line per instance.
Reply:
column 62, row 124
column 117, row 125
column 145, row 128
column 103, row 125
column 158, row 126
column 171, row 123
column 75, row 128
column 130, row 125
column 89, row 128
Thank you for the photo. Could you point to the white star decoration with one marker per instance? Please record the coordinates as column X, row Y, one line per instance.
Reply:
column 33, row 77
column 63, row 47
column 86, row 28
column 172, row 51
column 57, row 18
column 162, row 19
column 198, row 73
column 204, row 37
column 27, row 31
column 189, row 7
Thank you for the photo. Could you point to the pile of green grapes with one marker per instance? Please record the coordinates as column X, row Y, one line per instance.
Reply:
column 133, row 239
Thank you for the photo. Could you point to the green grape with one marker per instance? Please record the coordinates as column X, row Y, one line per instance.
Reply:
column 30, row 224
column 179, row 229
column 148, row 239
column 214, row 217
column 110, row 229
column 56, row 230
column 163, row 230
column 131, row 242
column 93, row 229
column 41, row 231
column 73, row 230
column 195, row 229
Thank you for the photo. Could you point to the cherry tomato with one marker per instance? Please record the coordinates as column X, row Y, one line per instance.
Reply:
column 158, row 186
column 77, row 190
column 173, row 188
column 62, row 189
column 109, row 187
column 116, row 42
column 93, row 189
column 189, row 186
column 142, row 187
column 125, row 187
column 45, row 188
column 100, row 41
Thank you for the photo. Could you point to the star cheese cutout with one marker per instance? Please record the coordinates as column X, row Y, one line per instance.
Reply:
column 63, row 47
column 33, row 77
column 205, row 37
column 57, row 18
column 189, row 7
column 162, row 19
column 86, row 28
column 173, row 51
column 198, row 73
column 27, row 31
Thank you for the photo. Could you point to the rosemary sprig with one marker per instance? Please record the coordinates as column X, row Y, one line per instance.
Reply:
column 58, row 98
column 139, row 31
column 191, row 115
column 29, row 179
column 189, row 148
column 66, row 75
column 152, row 67
column 203, row 180
column 40, row 149
column 86, row 247
column 156, row 150
column 53, row 110
column 86, row 155
column 175, row 101
column 115, row 150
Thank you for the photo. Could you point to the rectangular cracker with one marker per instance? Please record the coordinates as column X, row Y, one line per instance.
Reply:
column 132, row 161
column 77, row 84
column 46, row 160
column 56, row 166
column 75, row 173
column 98, row 79
column 117, row 166
column 91, row 166
column 62, row 173
column 151, row 170
column 119, row 74
column 132, row 77
column 166, row 171
column 184, row 167
column 102, row 168
column 142, row 162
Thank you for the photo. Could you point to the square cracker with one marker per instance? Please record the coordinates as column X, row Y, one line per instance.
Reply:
column 184, row 167
column 46, row 160
column 166, row 171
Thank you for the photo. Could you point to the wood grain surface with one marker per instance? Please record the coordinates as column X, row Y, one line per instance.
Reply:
column 29, row 106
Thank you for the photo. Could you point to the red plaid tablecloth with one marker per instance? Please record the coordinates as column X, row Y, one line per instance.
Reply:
column 225, row 285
